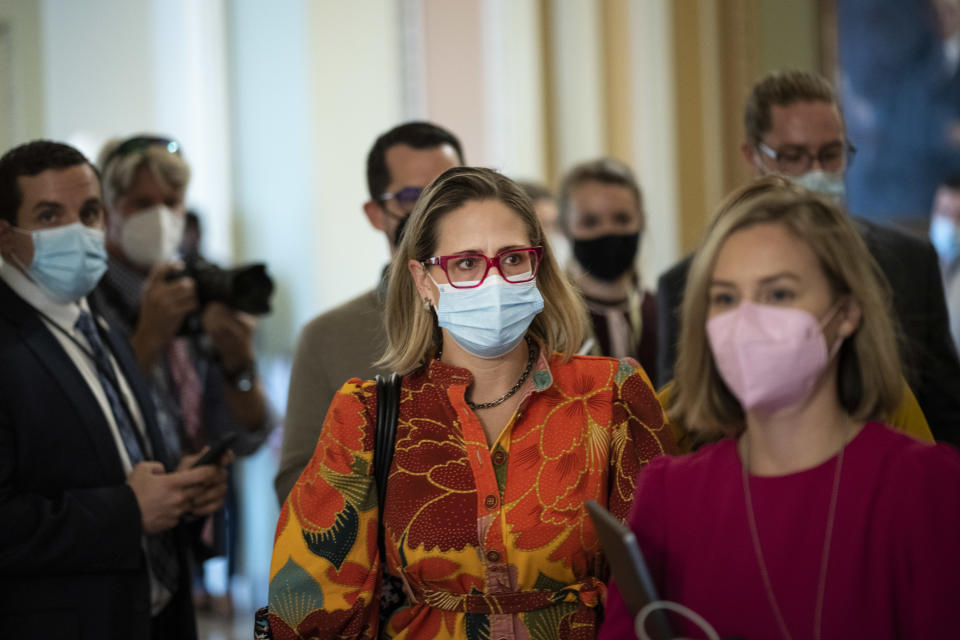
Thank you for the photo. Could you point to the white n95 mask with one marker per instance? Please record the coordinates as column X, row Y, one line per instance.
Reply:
column 152, row 236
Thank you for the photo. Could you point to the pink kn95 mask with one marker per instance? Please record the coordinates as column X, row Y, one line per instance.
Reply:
column 770, row 357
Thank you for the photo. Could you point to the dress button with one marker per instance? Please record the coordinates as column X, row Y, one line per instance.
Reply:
column 491, row 501
column 499, row 457
column 493, row 555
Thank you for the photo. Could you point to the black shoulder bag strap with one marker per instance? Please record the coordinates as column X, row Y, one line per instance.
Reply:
column 388, row 405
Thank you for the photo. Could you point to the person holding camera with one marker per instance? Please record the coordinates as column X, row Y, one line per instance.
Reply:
column 198, row 357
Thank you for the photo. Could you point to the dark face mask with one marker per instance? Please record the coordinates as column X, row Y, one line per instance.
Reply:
column 607, row 257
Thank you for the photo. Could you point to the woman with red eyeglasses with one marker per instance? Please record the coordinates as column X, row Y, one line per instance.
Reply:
column 503, row 435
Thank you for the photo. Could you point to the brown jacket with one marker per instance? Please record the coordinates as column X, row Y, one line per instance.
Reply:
column 335, row 346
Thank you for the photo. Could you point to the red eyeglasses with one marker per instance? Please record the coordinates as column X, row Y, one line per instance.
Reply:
column 469, row 270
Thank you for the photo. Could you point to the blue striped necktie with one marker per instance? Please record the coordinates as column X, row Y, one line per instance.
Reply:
column 107, row 377
column 161, row 548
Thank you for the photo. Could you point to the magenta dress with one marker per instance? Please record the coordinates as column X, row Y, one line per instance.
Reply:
column 894, row 565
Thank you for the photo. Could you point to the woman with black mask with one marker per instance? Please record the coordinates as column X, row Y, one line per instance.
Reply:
column 601, row 211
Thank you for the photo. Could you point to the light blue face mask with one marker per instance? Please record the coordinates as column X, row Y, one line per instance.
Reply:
column 68, row 261
column 945, row 236
column 823, row 182
column 489, row 320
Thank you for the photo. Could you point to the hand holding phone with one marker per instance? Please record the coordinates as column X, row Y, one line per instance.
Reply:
column 216, row 450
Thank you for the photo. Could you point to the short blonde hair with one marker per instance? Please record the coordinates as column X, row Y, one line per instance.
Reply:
column 413, row 335
column 869, row 381
column 118, row 172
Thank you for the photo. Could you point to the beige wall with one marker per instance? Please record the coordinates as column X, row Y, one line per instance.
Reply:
column 721, row 49
column 313, row 84
column 454, row 57
column 353, row 75
column 578, row 83
column 481, row 72
column 789, row 34
column 21, row 72
column 654, row 122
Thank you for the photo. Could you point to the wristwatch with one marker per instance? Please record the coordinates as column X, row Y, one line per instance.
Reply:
column 244, row 378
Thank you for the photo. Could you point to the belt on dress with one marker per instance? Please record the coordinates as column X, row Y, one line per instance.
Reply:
column 589, row 592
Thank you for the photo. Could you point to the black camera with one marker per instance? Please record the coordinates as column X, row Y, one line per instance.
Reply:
column 246, row 288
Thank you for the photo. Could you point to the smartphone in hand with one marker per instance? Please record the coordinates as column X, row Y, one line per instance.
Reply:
column 216, row 451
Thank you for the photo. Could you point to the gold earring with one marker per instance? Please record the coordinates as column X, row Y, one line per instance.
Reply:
column 426, row 304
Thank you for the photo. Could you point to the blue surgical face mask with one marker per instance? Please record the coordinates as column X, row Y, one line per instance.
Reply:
column 945, row 236
column 68, row 261
column 489, row 320
column 823, row 182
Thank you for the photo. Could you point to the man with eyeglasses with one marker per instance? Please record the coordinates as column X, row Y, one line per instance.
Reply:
column 345, row 342
column 794, row 128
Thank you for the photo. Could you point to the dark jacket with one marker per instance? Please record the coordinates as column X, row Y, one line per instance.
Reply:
column 71, row 560
column 929, row 356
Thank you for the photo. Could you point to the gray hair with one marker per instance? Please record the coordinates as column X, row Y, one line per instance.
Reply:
column 118, row 171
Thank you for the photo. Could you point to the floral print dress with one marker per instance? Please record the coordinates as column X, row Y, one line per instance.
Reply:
column 490, row 542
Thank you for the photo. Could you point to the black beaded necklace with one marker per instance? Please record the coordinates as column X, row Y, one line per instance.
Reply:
column 531, row 351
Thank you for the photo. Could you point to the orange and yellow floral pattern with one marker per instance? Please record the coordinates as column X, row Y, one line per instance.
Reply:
column 489, row 541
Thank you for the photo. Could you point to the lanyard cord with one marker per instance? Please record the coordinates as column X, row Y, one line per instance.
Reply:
column 825, row 556
column 107, row 373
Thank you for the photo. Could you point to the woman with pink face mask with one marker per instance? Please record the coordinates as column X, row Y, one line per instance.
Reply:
column 809, row 518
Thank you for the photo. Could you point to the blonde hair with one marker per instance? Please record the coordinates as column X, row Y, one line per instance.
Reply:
column 413, row 335
column 117, row 173
column 869, row 381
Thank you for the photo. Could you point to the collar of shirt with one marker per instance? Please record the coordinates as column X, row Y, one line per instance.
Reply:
column 444, row 374
column 632, row 306
column 64, row 315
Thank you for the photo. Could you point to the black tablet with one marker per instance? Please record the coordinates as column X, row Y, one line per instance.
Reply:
column 629, row 569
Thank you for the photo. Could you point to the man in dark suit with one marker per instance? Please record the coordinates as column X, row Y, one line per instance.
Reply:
column 794, row 128
column 90, row 544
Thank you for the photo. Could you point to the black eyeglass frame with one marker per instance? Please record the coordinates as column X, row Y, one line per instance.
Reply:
column 402, row 201
column 849, row 151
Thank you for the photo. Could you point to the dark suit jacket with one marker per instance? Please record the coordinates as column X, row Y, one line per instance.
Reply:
column 929, row 356
column 71, row 559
